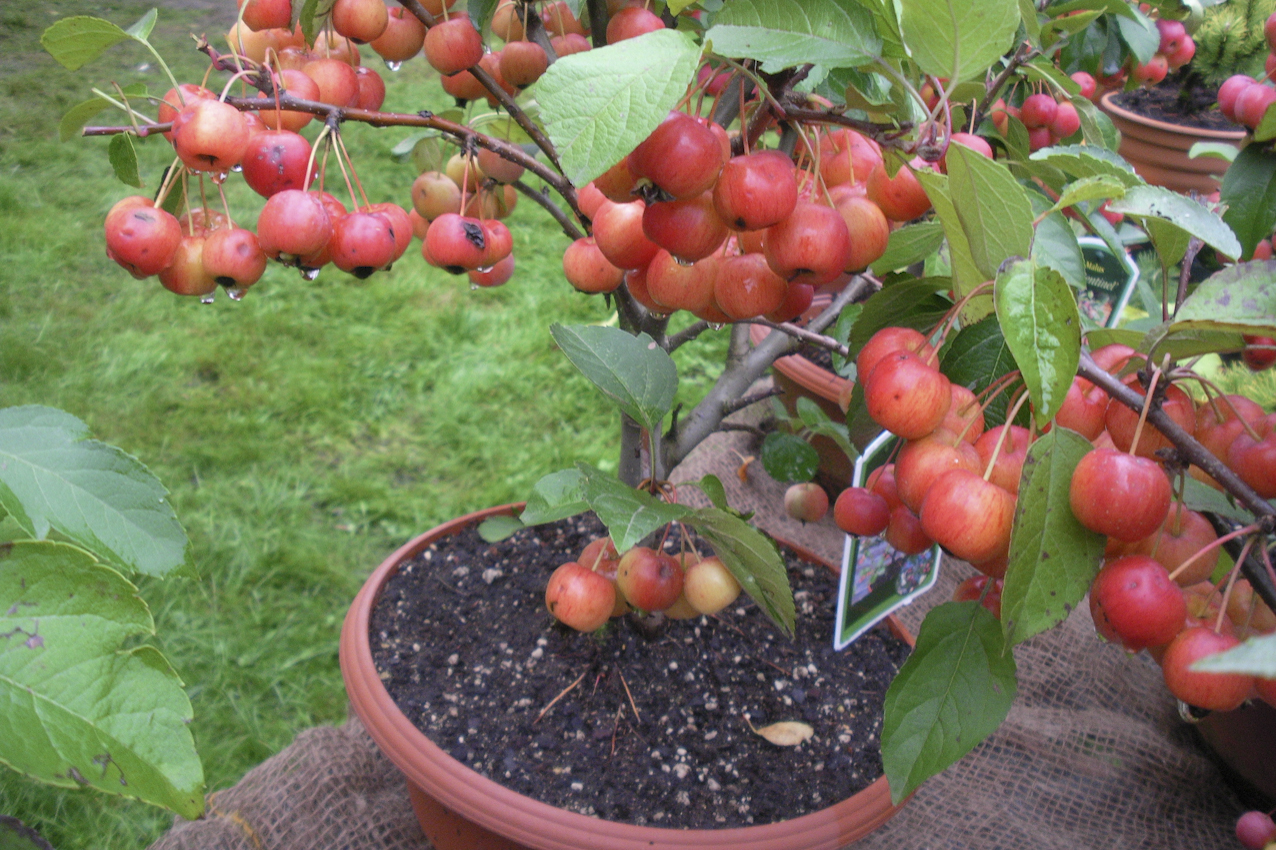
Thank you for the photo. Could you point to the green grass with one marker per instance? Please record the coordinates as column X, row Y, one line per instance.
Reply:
column 305, row 432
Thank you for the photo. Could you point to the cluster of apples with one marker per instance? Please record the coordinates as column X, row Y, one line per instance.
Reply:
column 684, row 225
column 601, row 584
column 1244, row 99
column 955, row 484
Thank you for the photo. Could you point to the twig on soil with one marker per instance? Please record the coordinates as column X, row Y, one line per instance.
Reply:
column 561, row 694
column 632, row 704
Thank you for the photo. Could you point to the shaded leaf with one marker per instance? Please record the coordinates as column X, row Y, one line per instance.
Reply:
column 965, row 272
column 752, row 558
column 78, row 710
column 1249, row 191
column 1053, row 557
column 993, row 209
column 633, row 371
column 1239, row 297
column 53, row 477
column 951, row 694
column 829, row 33
column 1096, row 188
column 788, row 458
column 556, row 496
column 910, row 244
column 629, row 514
column 124, row 159
column 1039, row 319
column 1080, row 161
column 914, row 303
column 80, row 114
column 976, row 356
column 599, row 104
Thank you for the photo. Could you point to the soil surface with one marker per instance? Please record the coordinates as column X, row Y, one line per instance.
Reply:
column 641, row 728
column 1168, row 101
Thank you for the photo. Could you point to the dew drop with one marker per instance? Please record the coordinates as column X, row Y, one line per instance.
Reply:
column 485, row 269
column 474, row 287
column 393, row 66
column 219, row 177
column 309, row 274
column 716, row 326
column 207, row 299
column 236, row 293
column 237, row 168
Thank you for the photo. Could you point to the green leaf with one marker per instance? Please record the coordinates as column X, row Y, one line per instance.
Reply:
column 1097, row 129
column 1241, row 296
column 556, row 496
column 712, row 487
column 15, row 835
column 752, row 558
column 77, row 116
column 598, row 105
column 1155, row 202
column 815, row 420
column 1054, row 244
column 958, row 39
column 481, row 11
column 788, row 458
column 1199, row 496
column 124, row 159
column 914, row 303
column 910, row 244
column 1249, row 191
column 966, row 274
column 1099, row 187
column 1169, row 240
column 141, row 29
column 78, row 40
column 1053, row 557
column 831, row 33
column 1140, row 35
column 1081, row 161
column 494, row 529
column 1213, row 150
column 312, row 17
column 1039, row 319
column 842, row 333
column 976, row 356
column 633, row 371
column 78, row 710
column 993, row 208
column 951, row 694
column 53, row 476
column 1255, row 657
column 629, row 514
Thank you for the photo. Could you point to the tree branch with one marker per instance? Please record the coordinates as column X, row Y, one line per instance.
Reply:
column 563, row 219
column 803, row 334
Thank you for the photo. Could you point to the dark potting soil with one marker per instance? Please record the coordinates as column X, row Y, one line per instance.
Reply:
column 1170, row 101
column 641, row 728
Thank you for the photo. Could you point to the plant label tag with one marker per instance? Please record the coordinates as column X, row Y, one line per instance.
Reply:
column 1110, row 280
column 876, row 579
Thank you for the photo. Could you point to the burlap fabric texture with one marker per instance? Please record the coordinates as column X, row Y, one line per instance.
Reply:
column 1092, row 757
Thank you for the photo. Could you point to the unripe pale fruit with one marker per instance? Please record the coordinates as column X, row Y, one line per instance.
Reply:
column 806, row 502
column 709, row 586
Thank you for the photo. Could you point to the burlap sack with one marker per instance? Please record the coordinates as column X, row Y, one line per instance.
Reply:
column 1093, row 755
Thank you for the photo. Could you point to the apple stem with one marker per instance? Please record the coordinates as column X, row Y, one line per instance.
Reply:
column 1231, row 582
column 1211, row 546
column 1147, row 405
column 1005, row 432
column 954, row 312
column 174, row 172
column 310, row 163
column 354, row 200
column 353, row 173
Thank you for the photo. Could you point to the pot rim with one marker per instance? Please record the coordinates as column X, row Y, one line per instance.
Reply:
column 1108, row 101
column 495, row 807
column 802, row 371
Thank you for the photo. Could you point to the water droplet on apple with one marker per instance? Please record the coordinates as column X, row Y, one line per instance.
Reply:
column 207, row 299
column 236, row 293
column 393, row 66
column 309, row 274
column 237, row 168
column 474, row 287
column 716, row 326
column 219, row 177
column 484, row 269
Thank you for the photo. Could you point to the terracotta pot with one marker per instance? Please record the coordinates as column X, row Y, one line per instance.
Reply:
column 1245, row 741
column 1158, row 149
column 797, row 377
column 461, row 810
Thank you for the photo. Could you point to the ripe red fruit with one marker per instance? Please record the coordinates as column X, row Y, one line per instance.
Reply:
column 209, row 135
column 362, row 243
column 434, row 193
column 1213, row 691
column 797, row 300
column 847, row 157
column 298, row 84
column 1120, row 495
column 1180, row 57
column 566, row 45
column 1255, row 829
column 904, row 532
column 453, row 45
column 495, row 276
column 965, row 417
column 371, row 89
column 1134, row 603
column 338, row 84
column 906, row 396
column 233, row 258
column 559, row 20
column 140, row 237
column 1084, row 409
column 901, row 197
column 887, row 340
column 456, row 243
column 361, row 21
column 1172, row 34
column 869, row 230
column 579, row 598
column 1038, row 110
column 921, row 462
column 1086, row 83
column 275, row 160
column 186, row 274
column 293, row 224
column 1152, row 72
column 676, row 286
column 588, row 270
column 1066, row 121
column 1122, row 422
column 968, row 516
column 523, row 62
column 1185, row 533
column 709, row 586
column 1008, row 468
column 861, row 511
column 1252, row 103
column 689, row 229
column 403, row 37
column 756, row 190
column 1255, row 461
column 631, row 22
column 746, row 287
column 260, row 15
column 650, row 580
column 806, row 502
column 812, row 245
column 1259, row 353
column 681, row 156
column 506, row 23
column 967, row 140
column 973, row 588
column 619, row 233
column 1230, row 90
column 174, row 103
